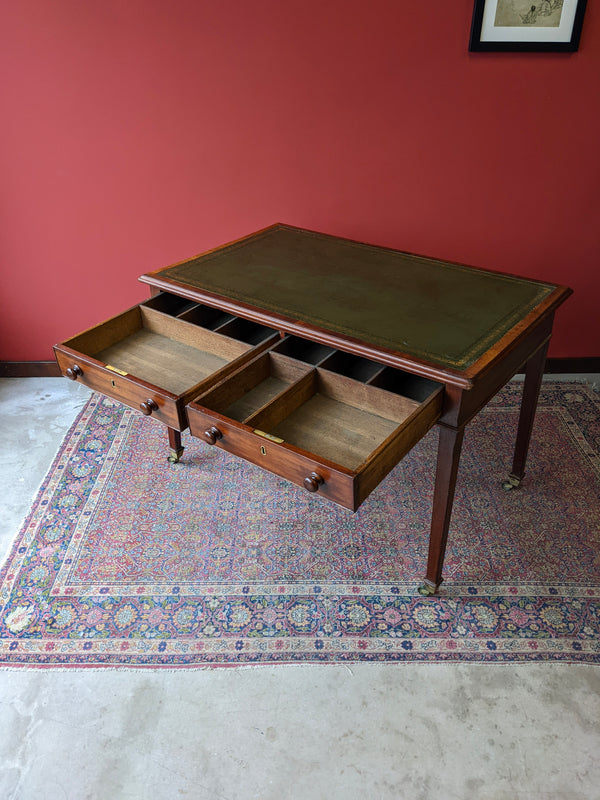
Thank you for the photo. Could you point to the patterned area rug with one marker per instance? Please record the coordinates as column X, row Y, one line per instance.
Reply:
column 126, row 560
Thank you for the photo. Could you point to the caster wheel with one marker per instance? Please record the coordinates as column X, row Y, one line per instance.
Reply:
column 511, row 483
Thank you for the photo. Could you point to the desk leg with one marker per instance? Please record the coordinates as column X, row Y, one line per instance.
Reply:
column 534, row 372
column 175, row 445
column 449, row 448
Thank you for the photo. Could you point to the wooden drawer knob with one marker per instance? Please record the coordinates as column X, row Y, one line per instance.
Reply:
column 148, row 407
column 212, row 435
column 312, row 482
column 74, row 372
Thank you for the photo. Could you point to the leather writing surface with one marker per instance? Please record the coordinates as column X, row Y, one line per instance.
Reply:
column 443, row 313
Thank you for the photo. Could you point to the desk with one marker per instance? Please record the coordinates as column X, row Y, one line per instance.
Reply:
column 465, row 330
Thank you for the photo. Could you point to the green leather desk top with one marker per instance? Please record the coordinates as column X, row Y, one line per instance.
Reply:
column 441, row 313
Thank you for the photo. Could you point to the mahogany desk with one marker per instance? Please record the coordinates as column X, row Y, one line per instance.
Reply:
column 452, row 335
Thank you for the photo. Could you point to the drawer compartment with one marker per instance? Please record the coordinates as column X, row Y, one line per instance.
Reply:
column 304, row 350
column 209, row 317
column 249, row 396
column 152, row 359
column 322, row 430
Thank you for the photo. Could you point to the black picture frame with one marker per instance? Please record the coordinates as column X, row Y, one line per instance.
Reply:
column 527, row 37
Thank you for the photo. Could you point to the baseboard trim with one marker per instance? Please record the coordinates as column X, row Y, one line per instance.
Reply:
column 29, row 369
column 49, row 369
column 556, row 366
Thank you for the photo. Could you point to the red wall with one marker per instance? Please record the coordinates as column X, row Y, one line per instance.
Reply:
column 136, row 133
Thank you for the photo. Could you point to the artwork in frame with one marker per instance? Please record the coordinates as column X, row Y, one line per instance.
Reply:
column 527, row 25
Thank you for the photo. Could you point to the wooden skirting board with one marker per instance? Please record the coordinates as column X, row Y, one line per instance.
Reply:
column 556, row 366
column 29, row 369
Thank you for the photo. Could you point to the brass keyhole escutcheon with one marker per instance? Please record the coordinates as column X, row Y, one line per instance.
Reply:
column 263, row 450
column 114, row 384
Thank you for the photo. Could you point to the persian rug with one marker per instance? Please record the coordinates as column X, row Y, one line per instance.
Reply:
column 126, row 560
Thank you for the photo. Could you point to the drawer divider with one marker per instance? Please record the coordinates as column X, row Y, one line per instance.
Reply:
column 283, row 404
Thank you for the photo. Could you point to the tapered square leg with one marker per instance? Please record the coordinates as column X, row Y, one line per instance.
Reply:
column 449, row 448
column 534, row 372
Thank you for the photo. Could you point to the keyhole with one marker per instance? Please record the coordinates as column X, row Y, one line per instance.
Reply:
column 114, row 384
column 263, row 450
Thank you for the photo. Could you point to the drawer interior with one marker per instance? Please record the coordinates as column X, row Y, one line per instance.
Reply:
column 404, row 383
column 213, row 319
column 360, row 369
column 334, row 424
column 160, row 349
column 253, row 389
column 332, row 415
column 161, row 360
column 304, row 350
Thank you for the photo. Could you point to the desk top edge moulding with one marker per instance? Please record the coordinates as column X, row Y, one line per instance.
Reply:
column 449, row 318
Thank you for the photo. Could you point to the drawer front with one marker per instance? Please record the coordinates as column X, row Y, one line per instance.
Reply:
column 130, row 391
column 338, row 485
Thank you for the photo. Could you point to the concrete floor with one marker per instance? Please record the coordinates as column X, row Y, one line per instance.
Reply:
column 450, row 732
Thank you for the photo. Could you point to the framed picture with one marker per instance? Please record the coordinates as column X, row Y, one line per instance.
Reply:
column 527, row 25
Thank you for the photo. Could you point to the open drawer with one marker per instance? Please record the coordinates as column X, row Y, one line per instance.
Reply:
column 319, row 428
column 157, row 356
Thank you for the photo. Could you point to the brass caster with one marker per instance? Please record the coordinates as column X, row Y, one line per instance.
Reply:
column 427, row 589
column 174, row 456
column 511, row 483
